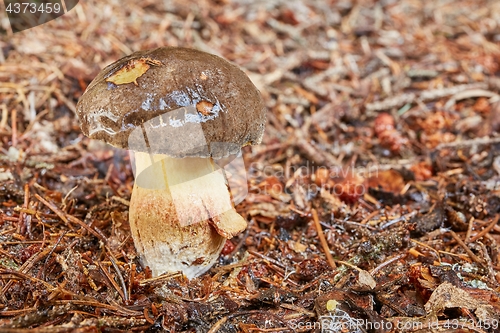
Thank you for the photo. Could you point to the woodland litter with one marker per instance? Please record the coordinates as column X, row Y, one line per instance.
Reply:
column 373, row 201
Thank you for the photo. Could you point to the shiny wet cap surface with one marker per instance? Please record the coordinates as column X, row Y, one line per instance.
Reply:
column 175, row 101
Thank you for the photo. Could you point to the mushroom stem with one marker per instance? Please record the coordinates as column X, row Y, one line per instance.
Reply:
column 180, row 213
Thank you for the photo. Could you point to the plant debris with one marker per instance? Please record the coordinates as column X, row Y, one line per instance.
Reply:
column 373, row 202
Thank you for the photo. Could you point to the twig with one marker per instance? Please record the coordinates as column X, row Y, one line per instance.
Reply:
column 14, row 127
column 322, row 239
column 424, row 96
column 20, row 225
column 485, row 230
column 26, row 267
column 387, row 262
column 469, row 230
column 298, row 309
column 217, row 326
column 489, row 264
column 27, row 277
column 120, row 200
column 56, row 210
column 120, row 276
column 429, row 95
column 370, row 216
column 7, row 313
column 271, row 260
column 314, row 154
column 465, row 247
column 112, row 281
column 242, row 240
column 466, row 143
column 50, row 253
column 70, row 218
column 5, row 116
column 396, row 220
column 160, row 278
column 115, row 308
column 391, row 102
column 428, row 247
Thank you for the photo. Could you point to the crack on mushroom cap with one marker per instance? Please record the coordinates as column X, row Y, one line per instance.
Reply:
column 189, row 80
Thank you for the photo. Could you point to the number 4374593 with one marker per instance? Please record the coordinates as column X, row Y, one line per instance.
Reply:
column 33, row 8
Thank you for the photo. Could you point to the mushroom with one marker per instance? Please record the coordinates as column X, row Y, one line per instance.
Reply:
column 181, row 111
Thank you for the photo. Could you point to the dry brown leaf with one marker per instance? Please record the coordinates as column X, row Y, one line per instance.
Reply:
column 448, row 296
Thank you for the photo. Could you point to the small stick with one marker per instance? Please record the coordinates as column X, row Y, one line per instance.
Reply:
column 53, row 208
column 87, row 302
column 467, row 143
column 298, row 309
column 387, row 262
column 120, row 276
column 112, row 281
column 469, row 230
column 50, row 253
column 485, row 230
column 322, row 239
column 269, row 259
column 120, row 200
column 218, row 324
column 465, row 247
column 25, row 268
column 131, row 278
column 370, row 216
column 5, row 115
column 69, row 104
column 160, row 278
column 148, row 318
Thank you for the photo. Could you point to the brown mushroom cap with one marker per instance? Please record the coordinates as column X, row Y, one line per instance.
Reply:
column 158, row 101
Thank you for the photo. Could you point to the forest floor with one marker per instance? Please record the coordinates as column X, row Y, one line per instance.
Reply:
column 382, row 148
